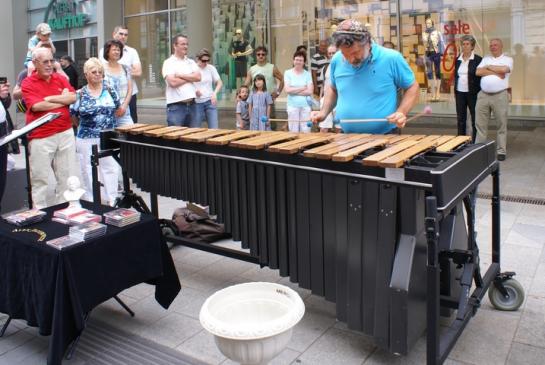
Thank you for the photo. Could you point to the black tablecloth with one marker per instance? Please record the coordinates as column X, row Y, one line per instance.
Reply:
column 53, row 289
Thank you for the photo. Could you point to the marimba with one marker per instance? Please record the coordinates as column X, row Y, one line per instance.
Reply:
column 373, row 223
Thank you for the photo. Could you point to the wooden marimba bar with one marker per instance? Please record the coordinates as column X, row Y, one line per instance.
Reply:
column 342, row 214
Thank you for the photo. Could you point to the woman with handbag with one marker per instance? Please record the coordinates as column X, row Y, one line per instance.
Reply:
column 466, row 84
column 96, row 105
column 118, row 78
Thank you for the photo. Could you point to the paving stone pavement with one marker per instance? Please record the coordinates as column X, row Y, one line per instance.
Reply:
column 492, row 337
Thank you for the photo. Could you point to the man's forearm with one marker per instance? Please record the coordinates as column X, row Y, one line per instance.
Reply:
column 499, row 69
column 45, row 106
column 410, row 97
column 64, row 99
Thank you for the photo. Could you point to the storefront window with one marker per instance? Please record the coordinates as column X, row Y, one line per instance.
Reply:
column 282, row 25
column 139, row 7
column 228, row 16
column 149, row 35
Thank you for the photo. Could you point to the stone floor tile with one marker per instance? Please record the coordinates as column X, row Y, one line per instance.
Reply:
column 525, row 354
column 189, row 302
column 147, row 311
column 203, row 282
column 261, row 274
column 416, row 356
column 226, row 268
column 172, row 330
column 531, row 329
column 303, row 293
column 203, row 347
column 198, row 258
column 287, row 356
column 12, row 339
column 19, row 354
column 527, row 235
column 532, row 214
column 139, row 291
column 537, row 288
column 487, row 338
column 338, row 347
column 318, row 304
column 309, row 329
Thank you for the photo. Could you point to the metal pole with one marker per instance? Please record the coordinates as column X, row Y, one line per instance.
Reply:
column 432, row 301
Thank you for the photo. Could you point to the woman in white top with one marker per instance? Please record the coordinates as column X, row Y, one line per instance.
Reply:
column 118, row 77
column 298, row 85
column 466, row 84
column 206, row 100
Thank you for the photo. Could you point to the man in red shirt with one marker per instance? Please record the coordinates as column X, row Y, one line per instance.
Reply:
column 51, row 145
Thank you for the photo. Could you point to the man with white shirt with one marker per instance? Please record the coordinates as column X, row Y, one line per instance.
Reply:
column 131, row 60
column 494, row 71
column 180, row 74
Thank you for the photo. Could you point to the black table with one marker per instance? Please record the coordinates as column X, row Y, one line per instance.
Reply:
column 54, row 289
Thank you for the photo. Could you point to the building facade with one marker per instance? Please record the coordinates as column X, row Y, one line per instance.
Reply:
column 80, row 28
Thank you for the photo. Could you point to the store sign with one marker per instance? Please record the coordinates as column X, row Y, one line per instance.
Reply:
column 63, row 14
column 460, row 28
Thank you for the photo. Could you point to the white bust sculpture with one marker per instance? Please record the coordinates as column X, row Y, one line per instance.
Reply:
column 74, row 192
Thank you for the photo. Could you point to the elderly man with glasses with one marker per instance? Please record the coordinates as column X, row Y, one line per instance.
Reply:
column 364, row 82
column 52, row 144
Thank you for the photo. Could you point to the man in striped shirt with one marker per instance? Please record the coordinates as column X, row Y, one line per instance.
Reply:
column 317, row 63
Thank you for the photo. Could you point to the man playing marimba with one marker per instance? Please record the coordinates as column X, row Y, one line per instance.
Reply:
column 365, row 78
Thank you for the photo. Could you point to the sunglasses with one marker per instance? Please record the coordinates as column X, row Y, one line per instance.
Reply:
column 260, row 54
column 205, row 60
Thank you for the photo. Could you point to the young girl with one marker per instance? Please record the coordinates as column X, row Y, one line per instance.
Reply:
column 243, row 117
column 260, row 102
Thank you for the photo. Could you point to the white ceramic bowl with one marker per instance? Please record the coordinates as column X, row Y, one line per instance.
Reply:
column 252, row 322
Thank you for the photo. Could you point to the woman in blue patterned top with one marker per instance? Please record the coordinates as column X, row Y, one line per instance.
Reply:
column 95, row 106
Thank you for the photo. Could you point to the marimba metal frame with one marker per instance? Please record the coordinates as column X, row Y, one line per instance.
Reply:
column 439, row 343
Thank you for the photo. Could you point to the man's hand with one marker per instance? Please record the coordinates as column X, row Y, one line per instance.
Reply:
column 317, row 116
column 120, row 111
column 397, row 118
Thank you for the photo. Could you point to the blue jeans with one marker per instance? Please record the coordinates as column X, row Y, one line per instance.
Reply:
column 182, row 115
column 208, row 110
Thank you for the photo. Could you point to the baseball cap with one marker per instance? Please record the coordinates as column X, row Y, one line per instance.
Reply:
column 43, row 28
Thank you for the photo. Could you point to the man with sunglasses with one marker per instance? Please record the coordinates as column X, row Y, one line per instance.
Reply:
column 270, row 71
column 53, row 144
column 364, row 82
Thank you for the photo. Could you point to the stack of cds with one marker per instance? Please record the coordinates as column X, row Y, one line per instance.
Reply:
column 69, row 212
column 87, row 231
column 62, row 242
column 26, row 217
column 85, row 218
column 121, row 217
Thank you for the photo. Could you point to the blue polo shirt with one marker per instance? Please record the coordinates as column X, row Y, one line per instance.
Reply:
column 369, row 90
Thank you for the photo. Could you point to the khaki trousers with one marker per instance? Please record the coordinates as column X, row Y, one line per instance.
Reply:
column 499, row 104
column 58, row 152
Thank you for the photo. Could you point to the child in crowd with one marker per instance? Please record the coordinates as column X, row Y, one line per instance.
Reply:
column 42, row 38
column 243, row 116
column 260, row 101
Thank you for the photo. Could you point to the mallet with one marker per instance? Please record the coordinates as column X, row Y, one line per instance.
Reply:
column 427, row 110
